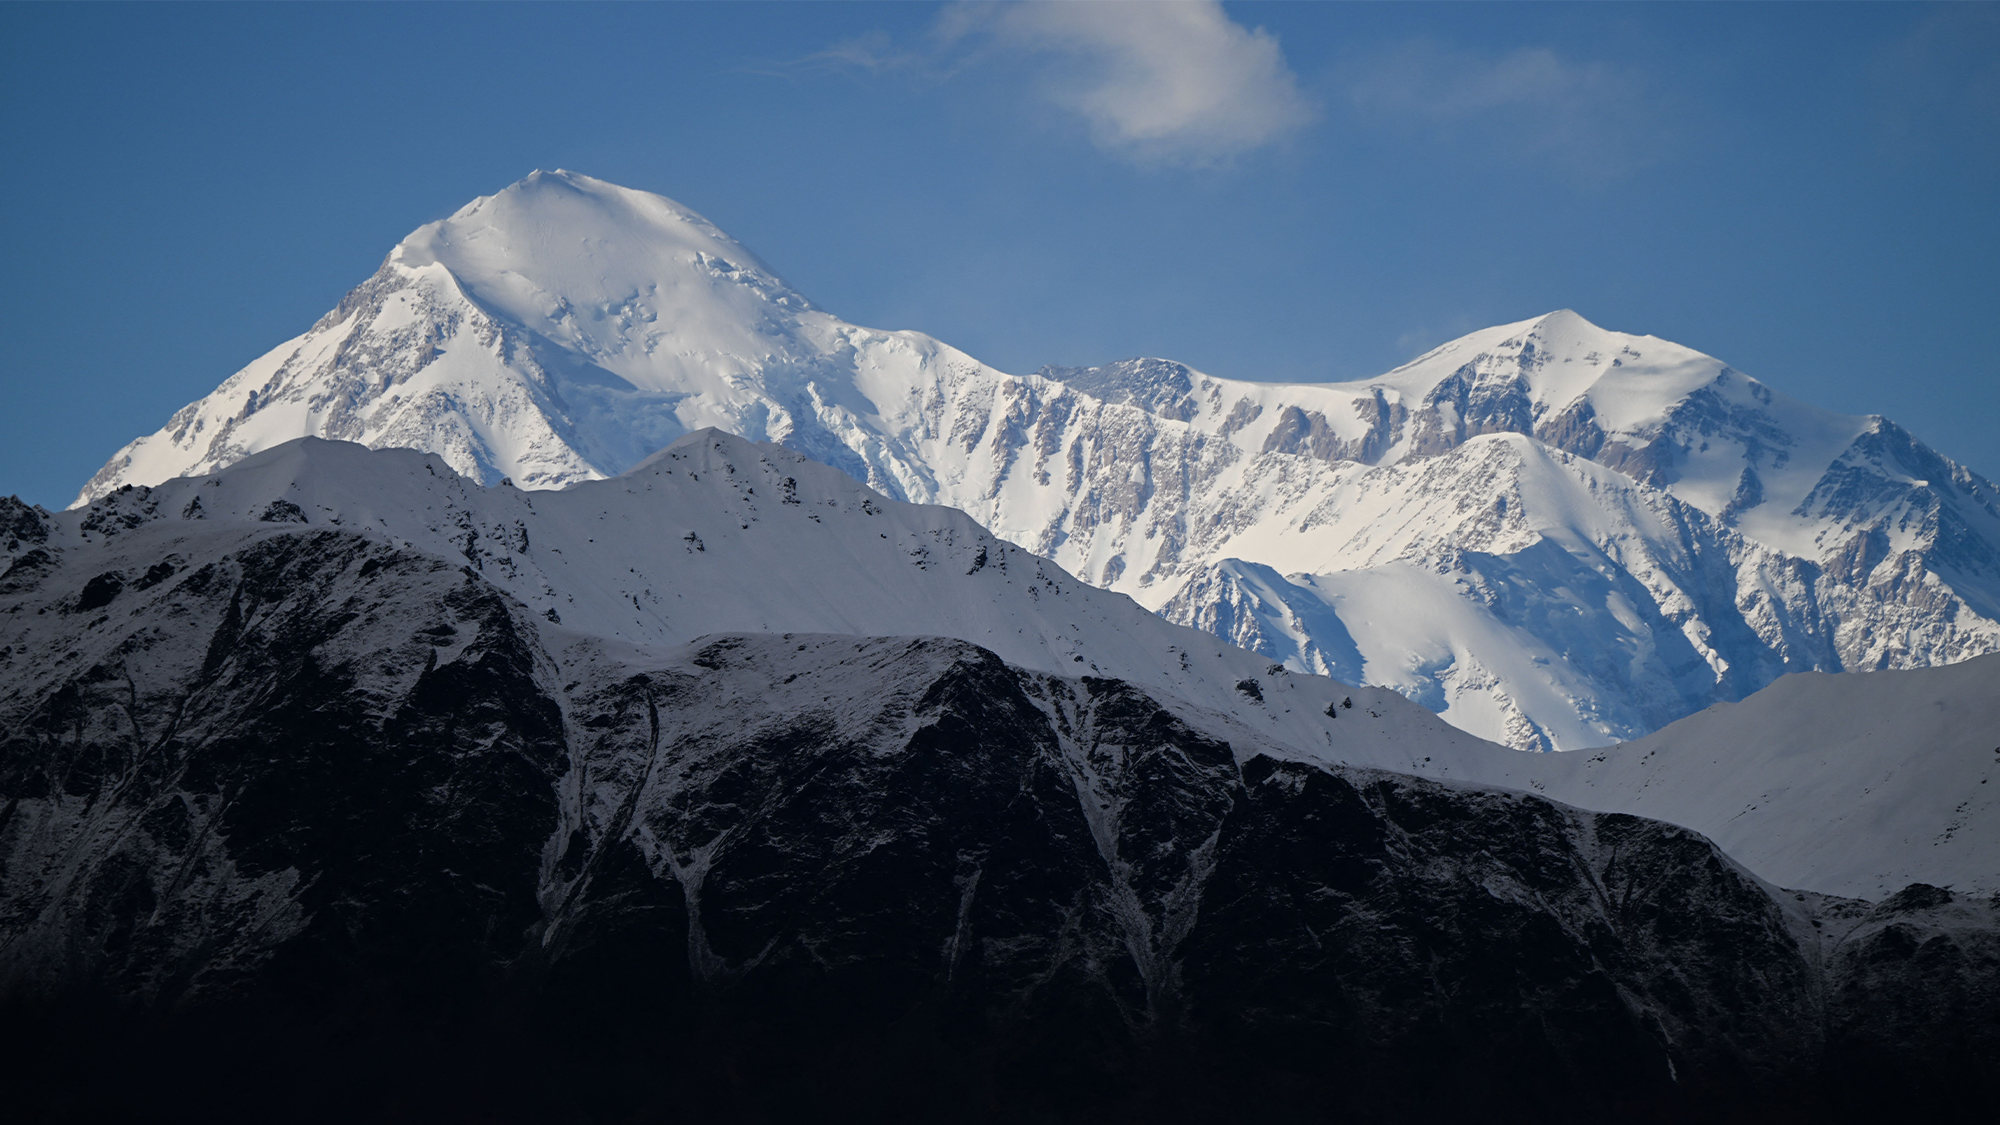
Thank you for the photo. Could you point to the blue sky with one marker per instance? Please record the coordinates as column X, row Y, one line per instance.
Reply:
column 1274, row 191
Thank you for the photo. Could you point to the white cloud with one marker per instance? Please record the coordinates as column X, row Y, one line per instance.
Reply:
column 1172, row 82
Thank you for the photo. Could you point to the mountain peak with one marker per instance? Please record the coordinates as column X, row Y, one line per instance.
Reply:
column 579, row 239
column 705, row 445
column 561, row 329
column 1565, row 322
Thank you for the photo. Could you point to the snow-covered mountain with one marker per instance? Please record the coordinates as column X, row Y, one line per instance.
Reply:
column 1554, row 535
column 564, row 329
column 718, row 535
column 332, row 769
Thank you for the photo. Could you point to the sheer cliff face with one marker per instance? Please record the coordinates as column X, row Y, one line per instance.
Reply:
column 301, row 804
column 1583, row 534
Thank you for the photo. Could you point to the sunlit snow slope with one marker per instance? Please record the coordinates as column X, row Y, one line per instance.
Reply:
column 1554, row 535
column 1852, row 784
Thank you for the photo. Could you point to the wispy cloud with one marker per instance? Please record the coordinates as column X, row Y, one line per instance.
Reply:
column 874, row 51
column 1172, row 82
column 1591, row 117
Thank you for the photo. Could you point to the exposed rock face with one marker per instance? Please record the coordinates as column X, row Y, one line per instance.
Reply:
column 1922, row 958
column 320, row 826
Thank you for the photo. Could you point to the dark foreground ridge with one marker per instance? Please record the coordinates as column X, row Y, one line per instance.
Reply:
column 317, row 829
